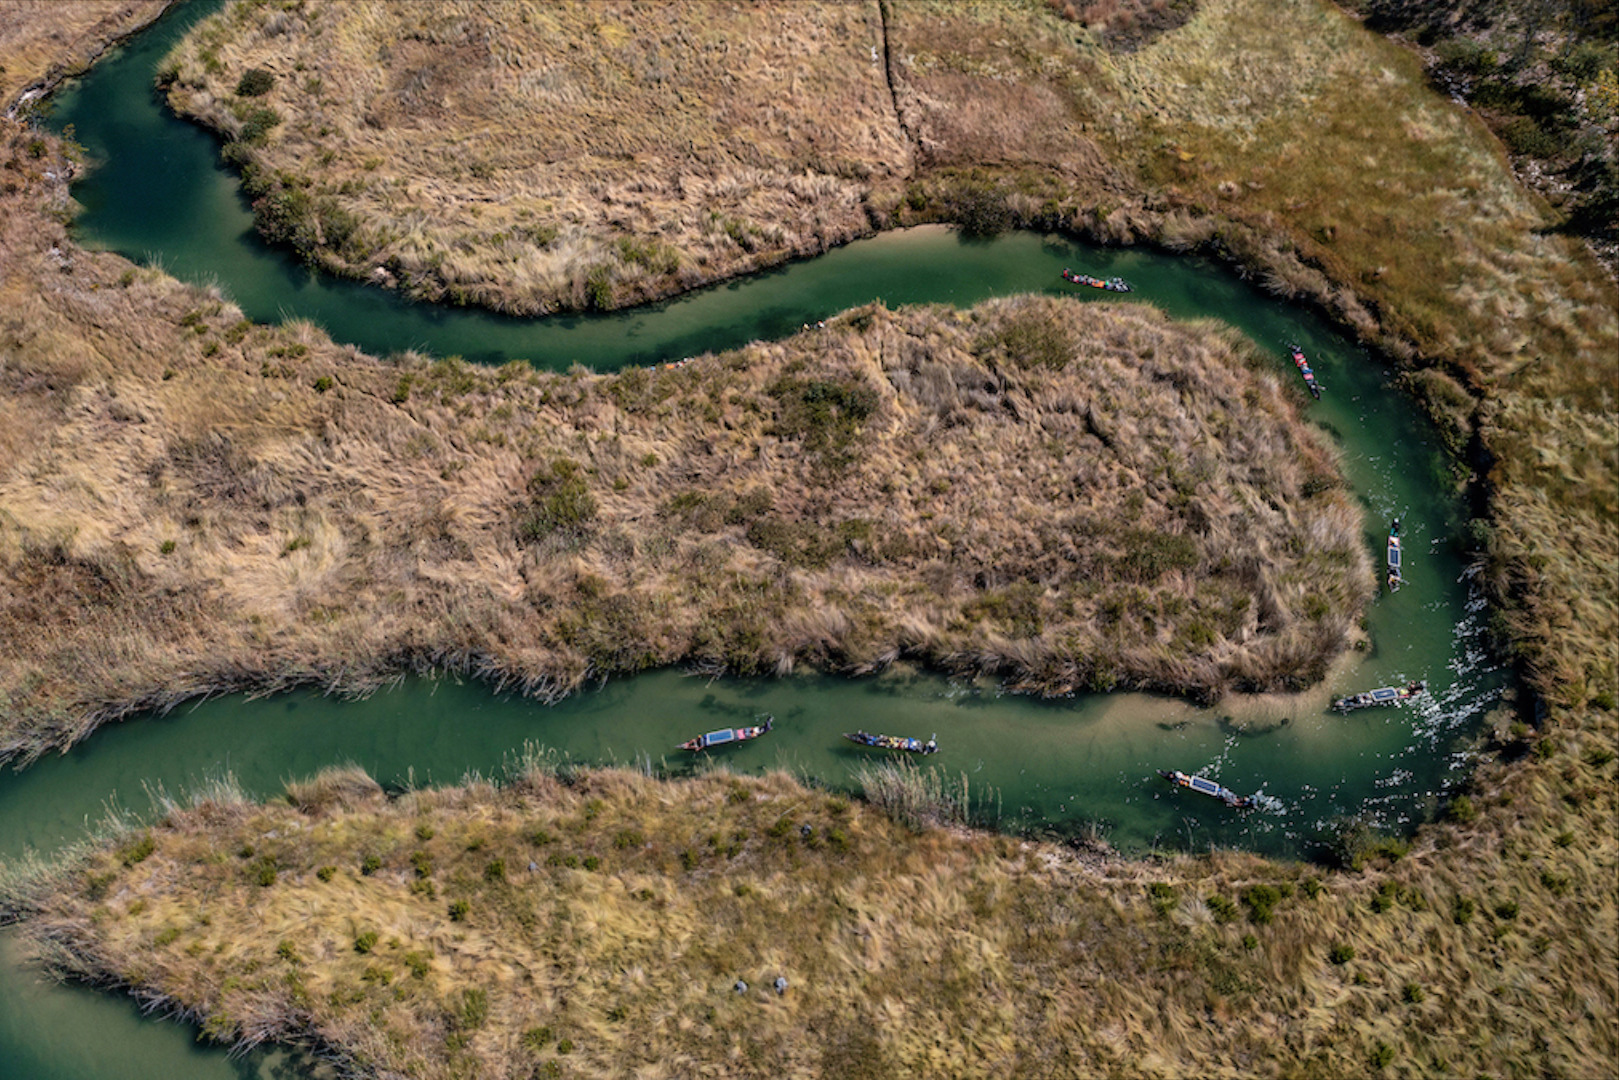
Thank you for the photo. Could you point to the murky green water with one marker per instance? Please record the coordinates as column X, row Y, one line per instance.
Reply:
column 159, row 193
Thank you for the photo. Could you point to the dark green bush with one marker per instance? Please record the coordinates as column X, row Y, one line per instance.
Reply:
column 1341, row 954
column 255, row 82
column 1261, row 901
column 980, row 210
column 1462, row 910
column 1462, row 810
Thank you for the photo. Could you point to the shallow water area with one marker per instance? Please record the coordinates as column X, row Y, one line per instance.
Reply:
column 1085, row 764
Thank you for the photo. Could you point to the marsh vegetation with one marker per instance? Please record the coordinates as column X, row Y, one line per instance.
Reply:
column 1067, row 495
column 330, row 486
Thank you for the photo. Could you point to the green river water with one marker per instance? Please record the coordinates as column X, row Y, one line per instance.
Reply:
column 157, row 193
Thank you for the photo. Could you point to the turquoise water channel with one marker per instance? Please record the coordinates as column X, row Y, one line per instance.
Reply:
column 157, row 193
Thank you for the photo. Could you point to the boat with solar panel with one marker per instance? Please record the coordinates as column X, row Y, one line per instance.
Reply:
column 1204, row 786
column 1396, row 555
column 1383, row 695
column 726, row 736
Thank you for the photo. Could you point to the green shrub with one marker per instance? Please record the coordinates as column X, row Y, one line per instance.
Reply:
column 1461, row 911
column 980, row 210
column 326, row 873
column 1382, row 1054
column 418, row 963
column 1507, row 909
column 1223, row 907
column 365, row 942
column 1462, row 810
column 1413, row 994
column 459, row 910
column 323, row 384
column 1261, row 901
column 559, row 501
column 255, row 82
column 1467, row 57
column 495, row 871
column 256, row 125
column 1524, row 136
column 1341, row 954
column 370, row 865
column 474, row 1008
column 137, row 850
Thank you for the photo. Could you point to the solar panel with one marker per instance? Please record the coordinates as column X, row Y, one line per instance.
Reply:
column 1207, row 787
column 714, row 737
column 1385, row 693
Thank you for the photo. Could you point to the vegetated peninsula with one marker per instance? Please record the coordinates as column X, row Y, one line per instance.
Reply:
column 1071, row 495
column 608, row 924
column 44, row 41
column 532, row 156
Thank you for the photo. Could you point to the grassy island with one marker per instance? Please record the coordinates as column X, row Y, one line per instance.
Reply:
column 1068, row 494
column 481, row 512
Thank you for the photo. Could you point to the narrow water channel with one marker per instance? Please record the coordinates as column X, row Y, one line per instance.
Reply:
column 158, row 193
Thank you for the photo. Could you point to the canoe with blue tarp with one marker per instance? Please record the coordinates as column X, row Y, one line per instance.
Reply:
column 1204, row 786
column 726, row 736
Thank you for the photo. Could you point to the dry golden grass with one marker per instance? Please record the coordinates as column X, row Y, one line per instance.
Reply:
column 44, row 41
column 1072, row 495
column 488, row 158
column 602, row 922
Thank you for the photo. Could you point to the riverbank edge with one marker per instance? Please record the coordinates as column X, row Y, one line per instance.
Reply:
column 61, row 71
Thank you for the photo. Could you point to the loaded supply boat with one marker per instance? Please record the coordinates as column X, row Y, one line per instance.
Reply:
column 1112, row 284
column 894, row 742
column 1304, row 369
column 725, row 736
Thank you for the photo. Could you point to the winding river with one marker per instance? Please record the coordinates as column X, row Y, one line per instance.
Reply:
column 158, row 194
